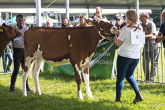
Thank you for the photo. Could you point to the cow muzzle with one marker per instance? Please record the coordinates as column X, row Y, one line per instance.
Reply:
column 113, row 29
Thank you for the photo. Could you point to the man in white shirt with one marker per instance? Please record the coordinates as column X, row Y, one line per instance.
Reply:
column 18, row 51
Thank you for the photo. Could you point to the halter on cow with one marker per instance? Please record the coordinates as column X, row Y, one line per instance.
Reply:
column 75, row 45
column 7, row 34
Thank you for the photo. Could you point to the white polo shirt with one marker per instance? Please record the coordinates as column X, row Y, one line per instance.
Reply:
column 19, row 41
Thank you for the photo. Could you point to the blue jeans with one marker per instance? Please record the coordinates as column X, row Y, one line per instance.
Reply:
column 126, row 68
column 4, row 58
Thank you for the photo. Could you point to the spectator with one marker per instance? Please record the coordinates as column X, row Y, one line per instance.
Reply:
column 151, row 49
column 128, row 56
column 120, row 23
column 5, row 54
column 49, row 23
column 25, row 24
column 18, row 52
column 66, row 22
column 99, row 15
column 82, row 21
column 162, row 30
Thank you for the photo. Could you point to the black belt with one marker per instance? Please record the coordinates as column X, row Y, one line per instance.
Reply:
column 19, row 48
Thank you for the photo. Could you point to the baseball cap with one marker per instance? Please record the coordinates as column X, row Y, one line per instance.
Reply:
column 119, row 17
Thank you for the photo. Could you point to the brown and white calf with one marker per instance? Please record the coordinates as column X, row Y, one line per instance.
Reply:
column 56, row 46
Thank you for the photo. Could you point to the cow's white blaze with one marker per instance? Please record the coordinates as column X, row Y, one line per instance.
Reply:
column 86, row 78
column 98, row 21
column 70, row 45
column 69, row 37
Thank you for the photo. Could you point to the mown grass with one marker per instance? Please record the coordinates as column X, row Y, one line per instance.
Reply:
column 59, row 93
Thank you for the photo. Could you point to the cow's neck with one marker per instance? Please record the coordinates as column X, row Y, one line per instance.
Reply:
column 3, row 43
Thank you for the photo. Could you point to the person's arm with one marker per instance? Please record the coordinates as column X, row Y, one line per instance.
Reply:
column 159, row 38
column 150, row 36
column 118, row 41
column 152, row 30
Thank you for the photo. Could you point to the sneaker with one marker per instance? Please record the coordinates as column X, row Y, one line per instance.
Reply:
column 12, row 90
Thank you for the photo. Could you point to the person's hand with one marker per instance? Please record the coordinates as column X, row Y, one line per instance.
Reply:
column 158, row 40
column 118, row 32
column 158, row 36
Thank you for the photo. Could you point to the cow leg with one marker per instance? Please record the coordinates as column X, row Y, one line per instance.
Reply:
column 78, row 79
column 25, row 73
column 85, row 72
column 36, row 71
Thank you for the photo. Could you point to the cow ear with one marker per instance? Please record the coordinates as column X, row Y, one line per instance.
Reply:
column 2, row 29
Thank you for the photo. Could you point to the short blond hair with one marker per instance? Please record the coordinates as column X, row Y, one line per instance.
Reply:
column 99, row 8
column 163, row 11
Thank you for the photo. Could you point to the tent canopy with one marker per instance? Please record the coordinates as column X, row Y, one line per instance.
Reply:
column 106, row 4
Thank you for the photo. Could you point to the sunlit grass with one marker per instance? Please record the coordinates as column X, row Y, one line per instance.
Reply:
column 59, row 93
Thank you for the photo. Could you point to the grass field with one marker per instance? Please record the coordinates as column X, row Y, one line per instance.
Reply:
column 59, row 93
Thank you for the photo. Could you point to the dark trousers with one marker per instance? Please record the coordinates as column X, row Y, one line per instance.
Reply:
column 18, row 56
column 125, row 69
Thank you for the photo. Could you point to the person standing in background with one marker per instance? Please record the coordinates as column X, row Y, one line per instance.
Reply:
column 5, row 54
column 151, row 50
column 66, row 22
column 82, row 21
column 49, row 23
column 162, row 30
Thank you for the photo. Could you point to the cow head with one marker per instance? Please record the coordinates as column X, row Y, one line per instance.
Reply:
column 106, row 28
column 9, row 32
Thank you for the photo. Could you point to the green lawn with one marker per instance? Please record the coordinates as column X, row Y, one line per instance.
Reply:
column 59, row 93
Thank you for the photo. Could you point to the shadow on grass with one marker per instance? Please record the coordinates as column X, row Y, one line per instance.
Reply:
column 152, row 88
column 52, row 76
column 11, row 101
column 64, row 77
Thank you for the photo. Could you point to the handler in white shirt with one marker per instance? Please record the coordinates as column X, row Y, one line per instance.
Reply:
column 128, row 57
column 18, row 52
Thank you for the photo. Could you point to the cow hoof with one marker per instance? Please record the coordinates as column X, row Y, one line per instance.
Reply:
column 24, row 95
column 39, row 93
column 89, row 94
column 81, row 97
column 79, row 94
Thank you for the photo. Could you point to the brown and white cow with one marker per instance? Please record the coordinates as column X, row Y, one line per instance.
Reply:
column 7, row 34
column 56, row 46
